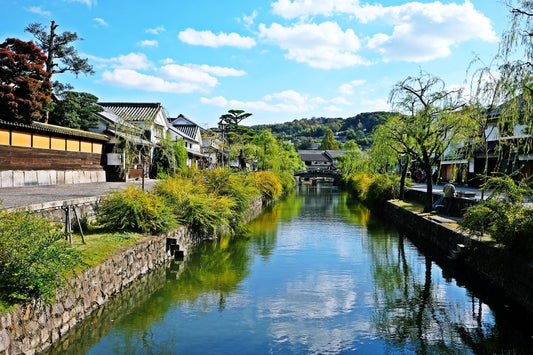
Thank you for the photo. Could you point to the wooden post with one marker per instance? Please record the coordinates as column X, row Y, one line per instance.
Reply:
column 79, row 225
column 68, row 226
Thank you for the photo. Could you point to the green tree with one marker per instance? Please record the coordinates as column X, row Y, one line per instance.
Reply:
column 25, row 90
column 393, row 146
column 168, row 157
column 352, row 160
column 428, row 118
column 503, row 93
column 75, row 110
column 232, row 119
column 236, row 134
column 61, row 55
column 329, row 142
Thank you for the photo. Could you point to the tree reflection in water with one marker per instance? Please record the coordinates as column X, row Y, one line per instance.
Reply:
column 413, row 312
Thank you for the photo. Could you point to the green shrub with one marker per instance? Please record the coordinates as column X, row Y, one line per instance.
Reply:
column 287, row 180
column 503, row 217
column 357, row 184
column 135, row 210
column 35, row 258
column 193, row 205
column 268, row 184
column 381, row 189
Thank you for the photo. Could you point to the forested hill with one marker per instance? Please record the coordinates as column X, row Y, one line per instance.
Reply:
column 358, row 127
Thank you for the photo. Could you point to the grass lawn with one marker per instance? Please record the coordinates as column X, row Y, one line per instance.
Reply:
column 99, row 246
column 408, row 205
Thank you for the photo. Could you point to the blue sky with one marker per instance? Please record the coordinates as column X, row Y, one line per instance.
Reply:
column 279, row 60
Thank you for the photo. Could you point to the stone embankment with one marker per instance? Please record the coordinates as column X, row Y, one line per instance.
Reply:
column 33, row 328
column 499, row 270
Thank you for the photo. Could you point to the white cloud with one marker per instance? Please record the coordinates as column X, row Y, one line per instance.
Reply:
column 156, row 30
column 324, row 46
column 424, row 32
column 129, row 61
column 420, row 31
column 133, row 61
column 209, row 39
column 215, row 101
column 304, row 8
column 167, row 61
column 148, row 43
column 125, row 71
column 86, row 2
column 185, row 74
column 101, row 22
column 217, row 71
column 371, row 105
column 131, row 79
column 347, row 89
column 288, row 101
column 39, row 11
column 249, row 20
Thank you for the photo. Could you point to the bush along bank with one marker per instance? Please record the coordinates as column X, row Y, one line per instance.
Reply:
column 494, row 260
column 233, row 199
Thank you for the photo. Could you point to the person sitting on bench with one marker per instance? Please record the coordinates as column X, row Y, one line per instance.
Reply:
column 449, row 194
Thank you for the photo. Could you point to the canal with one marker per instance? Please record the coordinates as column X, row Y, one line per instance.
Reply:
column 317, row 275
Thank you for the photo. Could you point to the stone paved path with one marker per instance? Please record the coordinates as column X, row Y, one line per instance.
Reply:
column 30, row 195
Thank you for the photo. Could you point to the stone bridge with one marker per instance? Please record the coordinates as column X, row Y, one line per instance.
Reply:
column 316, row 173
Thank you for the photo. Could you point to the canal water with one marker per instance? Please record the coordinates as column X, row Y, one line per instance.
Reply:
column 318, row 274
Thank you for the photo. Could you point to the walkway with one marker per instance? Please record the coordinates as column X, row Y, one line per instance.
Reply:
column 30, row 195
column 437, row 189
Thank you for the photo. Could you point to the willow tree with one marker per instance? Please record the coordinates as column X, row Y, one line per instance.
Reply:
column 393, row 145
column 429, row 117
column 502, row 94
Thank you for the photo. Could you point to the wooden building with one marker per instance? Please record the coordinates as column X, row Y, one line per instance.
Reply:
column 44, row 154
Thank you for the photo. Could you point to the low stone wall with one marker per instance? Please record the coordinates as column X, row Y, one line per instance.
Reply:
column 511, row 276
column 32, row 329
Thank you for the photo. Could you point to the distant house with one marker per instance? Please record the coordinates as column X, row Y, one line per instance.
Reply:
column 504, row 150
column 212, row 148
column 191, row 133
column 320, row 159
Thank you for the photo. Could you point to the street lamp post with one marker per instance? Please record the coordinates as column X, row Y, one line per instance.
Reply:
column 222, row 126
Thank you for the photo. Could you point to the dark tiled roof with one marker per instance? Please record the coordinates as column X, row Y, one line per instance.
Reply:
column 320, row 155
column 133, row 111
column 45, row 127
column 185, row 126
column 188, row 130
column 181, row 121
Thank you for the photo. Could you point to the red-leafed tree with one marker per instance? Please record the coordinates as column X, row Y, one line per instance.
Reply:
column 25, row 90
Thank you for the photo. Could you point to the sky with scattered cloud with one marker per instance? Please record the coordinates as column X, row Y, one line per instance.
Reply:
column 279, row 60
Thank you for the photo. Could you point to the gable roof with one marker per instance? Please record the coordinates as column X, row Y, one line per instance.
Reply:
column 320, row 155
column 134, row 111
column 182, row 121
column 186, row 127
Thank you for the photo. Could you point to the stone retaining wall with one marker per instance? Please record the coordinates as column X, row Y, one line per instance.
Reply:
column 32, row 329
column 510, row 275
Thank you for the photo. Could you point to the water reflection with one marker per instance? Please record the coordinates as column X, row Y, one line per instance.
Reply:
column 318, row 274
